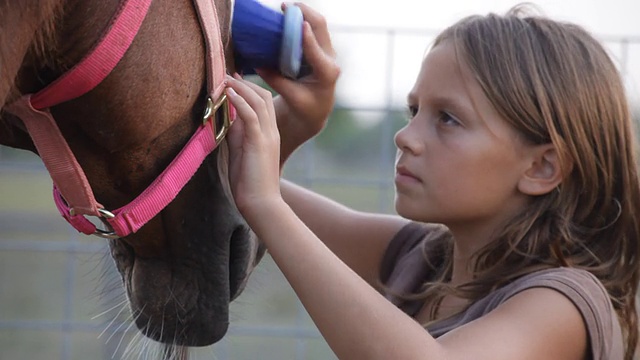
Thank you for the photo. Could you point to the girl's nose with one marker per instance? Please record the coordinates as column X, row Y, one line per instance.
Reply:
column 406, row 140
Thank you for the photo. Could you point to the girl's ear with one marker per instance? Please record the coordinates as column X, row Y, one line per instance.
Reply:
column 544, row 173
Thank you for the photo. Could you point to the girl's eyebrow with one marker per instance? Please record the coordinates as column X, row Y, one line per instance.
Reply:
column 444, row 101
column 453, row 103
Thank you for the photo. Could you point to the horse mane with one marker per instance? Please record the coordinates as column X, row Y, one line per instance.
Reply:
column 29, row 25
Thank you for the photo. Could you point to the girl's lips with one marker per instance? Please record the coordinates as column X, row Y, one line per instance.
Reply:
column 403, row 175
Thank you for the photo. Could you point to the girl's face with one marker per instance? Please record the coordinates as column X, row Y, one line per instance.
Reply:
column 458, row 161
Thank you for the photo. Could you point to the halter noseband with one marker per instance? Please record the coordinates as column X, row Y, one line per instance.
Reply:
column 72, row 193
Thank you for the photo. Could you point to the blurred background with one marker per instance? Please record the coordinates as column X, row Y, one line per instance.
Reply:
column 60, row 296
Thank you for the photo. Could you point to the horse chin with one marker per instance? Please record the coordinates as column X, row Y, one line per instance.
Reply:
column 184, row 267
column 185, row 301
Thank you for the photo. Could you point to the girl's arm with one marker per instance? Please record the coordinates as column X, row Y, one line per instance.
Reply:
column 356, row 321
column 302, row 109
column 357, row 238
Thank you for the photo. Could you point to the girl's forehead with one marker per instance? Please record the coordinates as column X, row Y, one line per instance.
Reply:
column 442, row 64
column 447, row 81
column 443, row 76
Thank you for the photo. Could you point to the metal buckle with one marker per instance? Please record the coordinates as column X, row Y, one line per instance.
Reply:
column 109, row 233
column 210, row 111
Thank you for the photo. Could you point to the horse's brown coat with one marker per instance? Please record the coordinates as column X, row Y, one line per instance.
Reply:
column 183, row 267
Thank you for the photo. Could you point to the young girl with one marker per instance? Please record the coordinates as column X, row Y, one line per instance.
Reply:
column 517, row 191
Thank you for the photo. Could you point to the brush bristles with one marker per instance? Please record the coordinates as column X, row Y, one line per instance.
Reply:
column 256, row 31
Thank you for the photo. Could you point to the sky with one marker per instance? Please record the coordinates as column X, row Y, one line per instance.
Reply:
column 361, row 35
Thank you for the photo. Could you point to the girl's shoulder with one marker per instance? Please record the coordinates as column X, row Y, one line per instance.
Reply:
column 581, row 287
column 405, row 268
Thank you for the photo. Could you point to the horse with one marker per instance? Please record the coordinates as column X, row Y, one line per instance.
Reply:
column 187, row 263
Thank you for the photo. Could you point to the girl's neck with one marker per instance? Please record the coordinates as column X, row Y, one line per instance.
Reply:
column 462, row 270
column 466, row 245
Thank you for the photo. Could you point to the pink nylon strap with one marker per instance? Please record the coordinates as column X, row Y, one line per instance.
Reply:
column 131, row 217
column 79, row 222
column 215, row 61
column 56, row 155
column 100, row 61
column 66, row 173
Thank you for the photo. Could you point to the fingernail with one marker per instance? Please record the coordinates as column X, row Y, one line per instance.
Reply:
column 231, row 92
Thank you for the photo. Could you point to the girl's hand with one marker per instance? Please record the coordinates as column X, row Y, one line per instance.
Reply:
column 254, row 148
column 304, row 105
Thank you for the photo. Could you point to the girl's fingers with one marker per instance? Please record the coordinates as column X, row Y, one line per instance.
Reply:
column 257, row 104
column 245, row 112
column 279, row 83
column 266, row 96
column 325, row 70
column 236, row 133
column 319, row 25
column 323, row 64
column 256, row 98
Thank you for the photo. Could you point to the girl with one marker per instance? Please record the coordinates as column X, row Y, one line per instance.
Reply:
column 517, row 191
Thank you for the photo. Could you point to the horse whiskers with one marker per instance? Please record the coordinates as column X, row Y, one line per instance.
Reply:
column 141, row 347
column 145, row 341
column 136, row 339
column 124, row 306
column 145, row 349
column 133, row 321
column 175, row 352
column 122, row 303
column 175, row 298
column 130, row 317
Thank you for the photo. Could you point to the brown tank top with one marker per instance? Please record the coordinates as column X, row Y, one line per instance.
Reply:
column 404, row 269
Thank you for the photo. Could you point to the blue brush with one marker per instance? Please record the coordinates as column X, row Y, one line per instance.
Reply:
column 265, row 38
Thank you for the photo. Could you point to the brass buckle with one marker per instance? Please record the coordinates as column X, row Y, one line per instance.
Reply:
column 210, row 111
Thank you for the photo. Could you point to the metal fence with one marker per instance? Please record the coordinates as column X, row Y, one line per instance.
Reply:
column 60, row 296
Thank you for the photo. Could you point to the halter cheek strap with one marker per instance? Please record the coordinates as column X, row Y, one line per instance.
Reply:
column 72, row 193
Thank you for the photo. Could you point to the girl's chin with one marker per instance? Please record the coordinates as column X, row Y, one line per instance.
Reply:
column 408, row 211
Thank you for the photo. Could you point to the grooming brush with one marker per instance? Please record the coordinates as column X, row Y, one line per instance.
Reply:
column 265, row 38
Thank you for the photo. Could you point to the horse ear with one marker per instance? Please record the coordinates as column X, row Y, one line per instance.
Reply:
column 544, row 172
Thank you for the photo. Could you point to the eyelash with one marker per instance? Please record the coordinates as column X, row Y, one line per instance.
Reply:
column 412, row 111
column 444, row 115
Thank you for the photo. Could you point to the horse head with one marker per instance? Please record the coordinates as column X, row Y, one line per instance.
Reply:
column 183, row 268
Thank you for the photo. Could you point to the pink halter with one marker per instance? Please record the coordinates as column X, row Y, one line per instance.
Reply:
column 72, row 193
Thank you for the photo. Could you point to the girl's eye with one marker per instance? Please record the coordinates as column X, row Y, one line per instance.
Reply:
column 412, row 111
column 446, row 119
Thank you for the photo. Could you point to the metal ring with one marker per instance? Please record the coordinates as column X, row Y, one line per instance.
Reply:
column 106, row 234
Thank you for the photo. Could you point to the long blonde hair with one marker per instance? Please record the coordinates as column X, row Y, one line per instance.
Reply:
column 556, row 84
